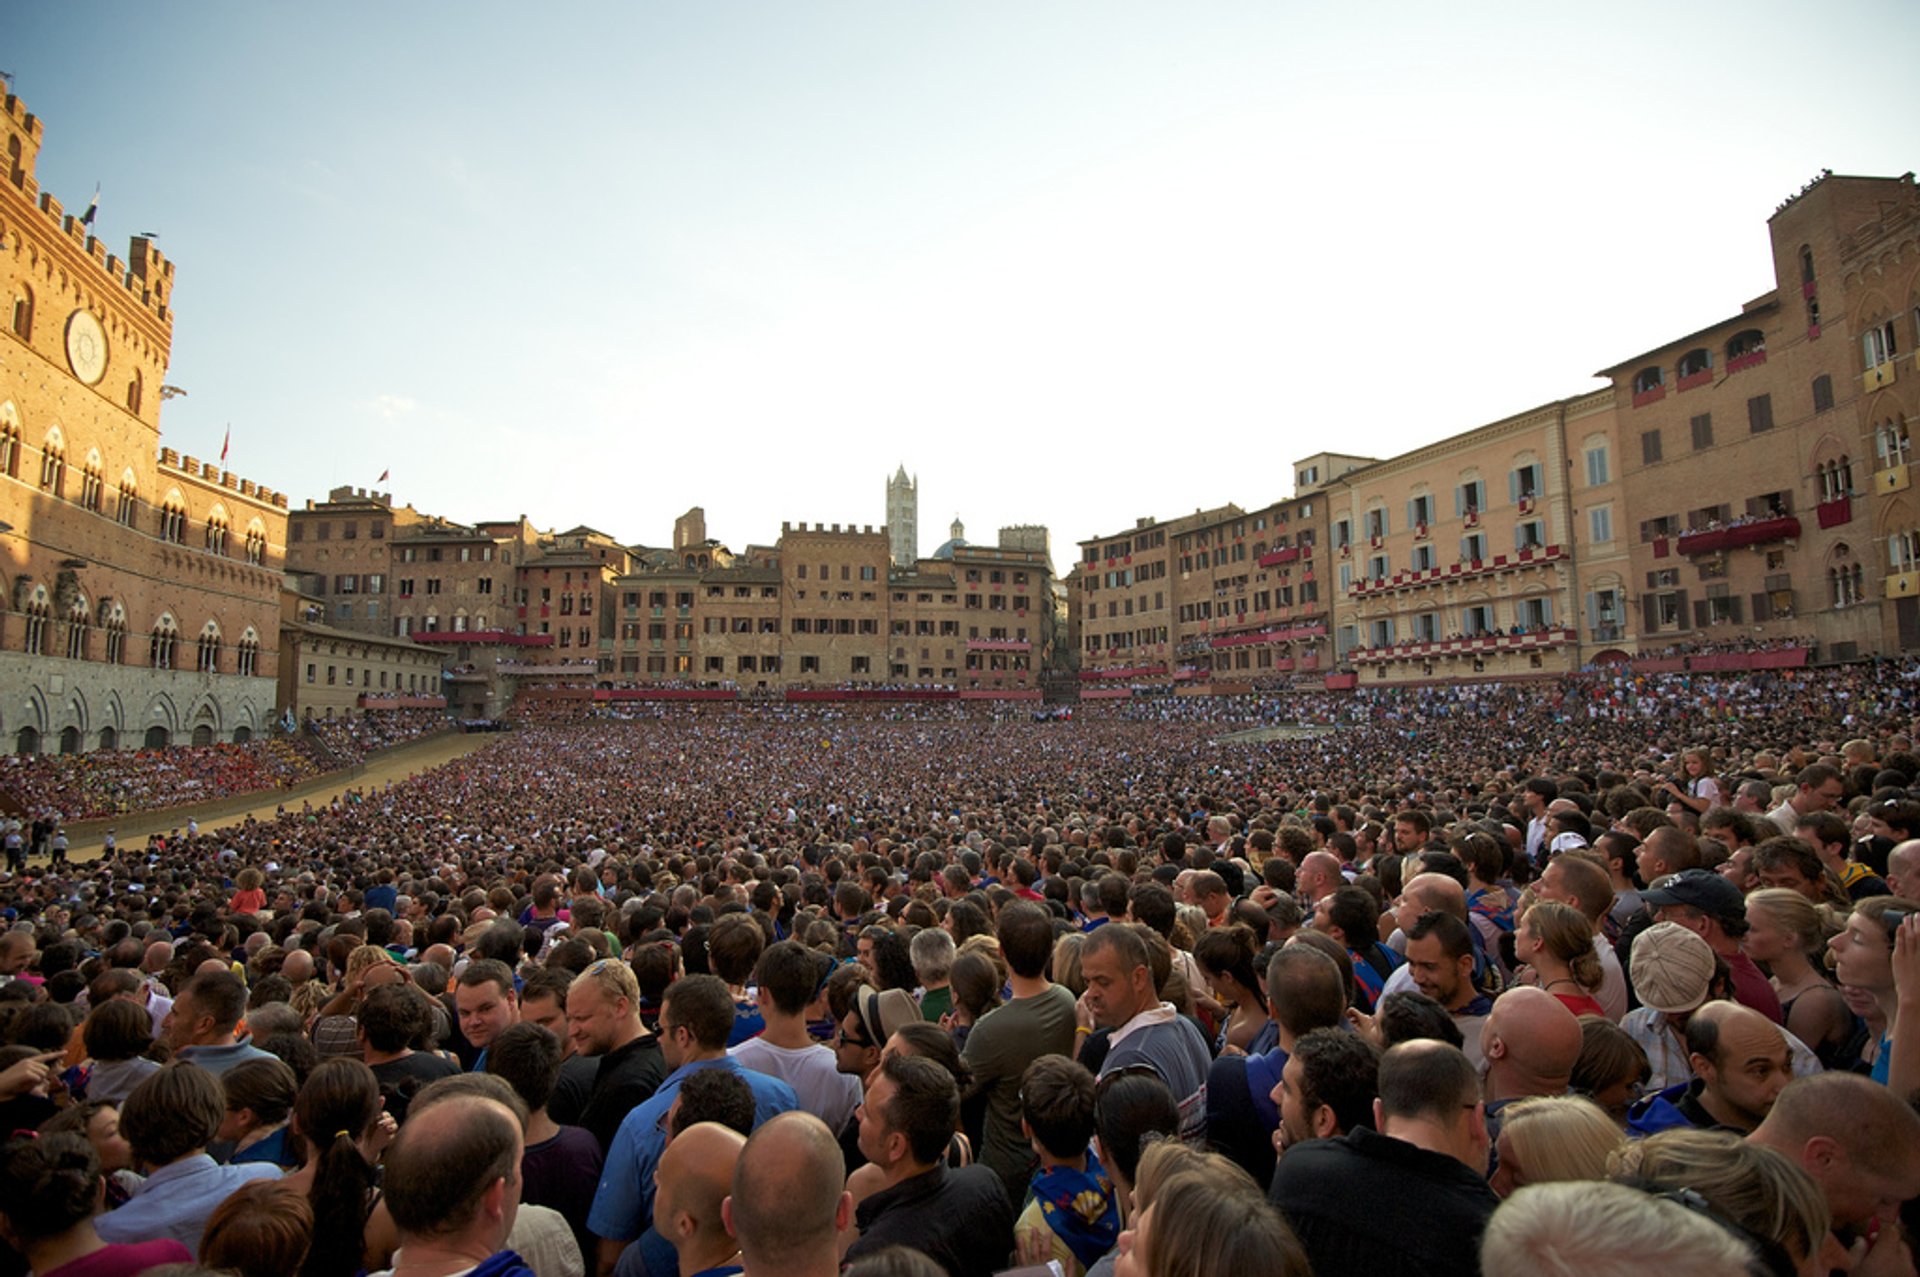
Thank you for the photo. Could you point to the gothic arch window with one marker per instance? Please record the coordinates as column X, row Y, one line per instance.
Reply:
column 90, row 484
column 173, row 519
column 77, row 626
column 256, row 544
column 53, row 462
column 23, row 312
column 1890, row 443
column 36, row 615
column 126, row 502
column 217, row 531
column 9, row 444
column 207, row 654
column 114, row 621
column 160, row 644
column 247, row 655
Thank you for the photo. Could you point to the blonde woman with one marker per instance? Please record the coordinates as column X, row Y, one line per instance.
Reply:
column 1551, row 1138
column 1785, row 932
column 1199, row 1214
column 1556, row 940
column 1763, row 1192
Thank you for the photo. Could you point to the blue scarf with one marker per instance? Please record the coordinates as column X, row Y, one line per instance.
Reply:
column 1080, row 1207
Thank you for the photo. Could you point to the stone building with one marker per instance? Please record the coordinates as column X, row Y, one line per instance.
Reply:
column 141, row 587
column 903, row 519
column 326, row 672
column 341, row 551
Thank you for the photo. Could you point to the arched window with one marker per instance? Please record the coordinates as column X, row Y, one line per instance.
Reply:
column 9, row 443
column 1694, row 362
column 1748, row 341
column 127, row 501
column 133, row 394
column 37, row 612
column 217, row 533
column 77, row 617
column 114, row 621
column 53, row 463
column 23, row 312
column 256, row 544
column 173, row 521
column 1647, row 379
column 247, row 655
column 1890, row 443
column 207, row 659
column 161, row 643
column 90, row 484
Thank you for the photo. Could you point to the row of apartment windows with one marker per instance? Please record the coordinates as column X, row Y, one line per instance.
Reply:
column 350, row 531
column 1699, row 361
column 401, row 682
column 1259, row 601
column 38, row 638
column 1125, row 638
column 1127, row 607
column 868, row 572
column 405, row 586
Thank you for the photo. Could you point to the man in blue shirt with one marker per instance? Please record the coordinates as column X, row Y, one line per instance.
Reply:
column 696, row 1017
column 169, row 1120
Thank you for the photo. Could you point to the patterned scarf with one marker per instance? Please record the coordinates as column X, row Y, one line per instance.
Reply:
column 1080, row 1207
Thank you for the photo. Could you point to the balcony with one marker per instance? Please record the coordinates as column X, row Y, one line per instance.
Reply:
column 1460, row 571
column 1834, row 513
column 1285, row 554
column 1757, row 532
column 1752, row 359
column 1693, row 381
column 1270, row 636
column 1423, row 650
column 1652, row 394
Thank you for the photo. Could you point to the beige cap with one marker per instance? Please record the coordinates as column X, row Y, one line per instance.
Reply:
column 1672, row 968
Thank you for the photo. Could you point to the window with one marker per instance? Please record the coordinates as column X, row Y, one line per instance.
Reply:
column 127, row 500
column 161, row 643
column 1473, row 548
column 9, row 449
column 1903, row 551
column 1701, row 425
column 116, row 627
column 1342, row 534
column 207, row 655
column 1600, row 524
column 1836, row 479
column 173, row 524
column 1426, row 627
column 1419, row 511
column 34, row 642
column 1649, row 446
column 1890, row 443
column 1470, row 498
column 1694, row 362
column 1536, row 613
column 1477, row 620
column 1523, row 483
column 809, row 665
column 1822, row 393
column 1599, row 465
column 90, row 486
column 1377, row 567
column 1877, row 345
column 23, row 312
column 1745, row 344
column 217, row 536
column 77, row 631
column 1531, row 535
column 248, row 663
column 53, row 465
column 1647, row 379
column 1760, row 413
column 1377, row 522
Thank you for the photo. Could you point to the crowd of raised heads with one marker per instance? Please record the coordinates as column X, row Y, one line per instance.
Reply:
column 1584, row 976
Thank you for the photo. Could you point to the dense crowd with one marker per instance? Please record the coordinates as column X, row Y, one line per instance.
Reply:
column 1578, row 976
column 75, row 787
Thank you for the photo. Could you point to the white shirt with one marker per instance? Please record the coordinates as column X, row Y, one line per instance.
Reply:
column 823, row 1089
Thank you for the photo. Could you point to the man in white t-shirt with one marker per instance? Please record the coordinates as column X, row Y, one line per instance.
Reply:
column 792, row 979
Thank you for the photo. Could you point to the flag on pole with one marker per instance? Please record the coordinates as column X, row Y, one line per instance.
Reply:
column 93, row 208
column 383, row 476
column 224, row 444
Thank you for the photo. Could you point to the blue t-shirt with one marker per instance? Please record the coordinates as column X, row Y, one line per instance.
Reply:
column 623, row 1204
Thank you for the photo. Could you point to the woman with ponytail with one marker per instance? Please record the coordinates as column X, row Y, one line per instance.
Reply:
column 50, row 1189
column 342, row 1132
column 1556, row 940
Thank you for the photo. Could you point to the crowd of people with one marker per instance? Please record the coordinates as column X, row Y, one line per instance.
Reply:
column 1570, row 977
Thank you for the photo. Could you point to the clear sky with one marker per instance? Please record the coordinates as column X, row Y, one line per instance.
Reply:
column 1071, row 263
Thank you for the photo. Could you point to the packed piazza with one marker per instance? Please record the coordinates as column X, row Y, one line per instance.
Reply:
column 1567, row 976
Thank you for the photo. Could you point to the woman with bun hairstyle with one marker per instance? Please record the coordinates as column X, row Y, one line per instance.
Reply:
column 1226, row 957
column 50, row 1190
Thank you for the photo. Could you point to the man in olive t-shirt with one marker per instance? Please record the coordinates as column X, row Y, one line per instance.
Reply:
column 1038, row 1021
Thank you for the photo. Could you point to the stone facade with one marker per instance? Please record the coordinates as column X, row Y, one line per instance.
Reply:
column 328, row 673
column 141, row 588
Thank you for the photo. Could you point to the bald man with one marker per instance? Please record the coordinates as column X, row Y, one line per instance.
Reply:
column 158, row 955
column 1531, row 1042
column 1741, row 1063
column 695, row 1175
column 298, row 967
column 789, row 1203
column 1429, row 893
column 1319, row 877
column 1903, row 869
column 1862, row 1145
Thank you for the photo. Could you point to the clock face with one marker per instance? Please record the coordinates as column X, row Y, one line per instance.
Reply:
column 86, row 347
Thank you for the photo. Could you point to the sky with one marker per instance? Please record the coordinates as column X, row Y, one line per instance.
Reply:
column 1069, row 263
